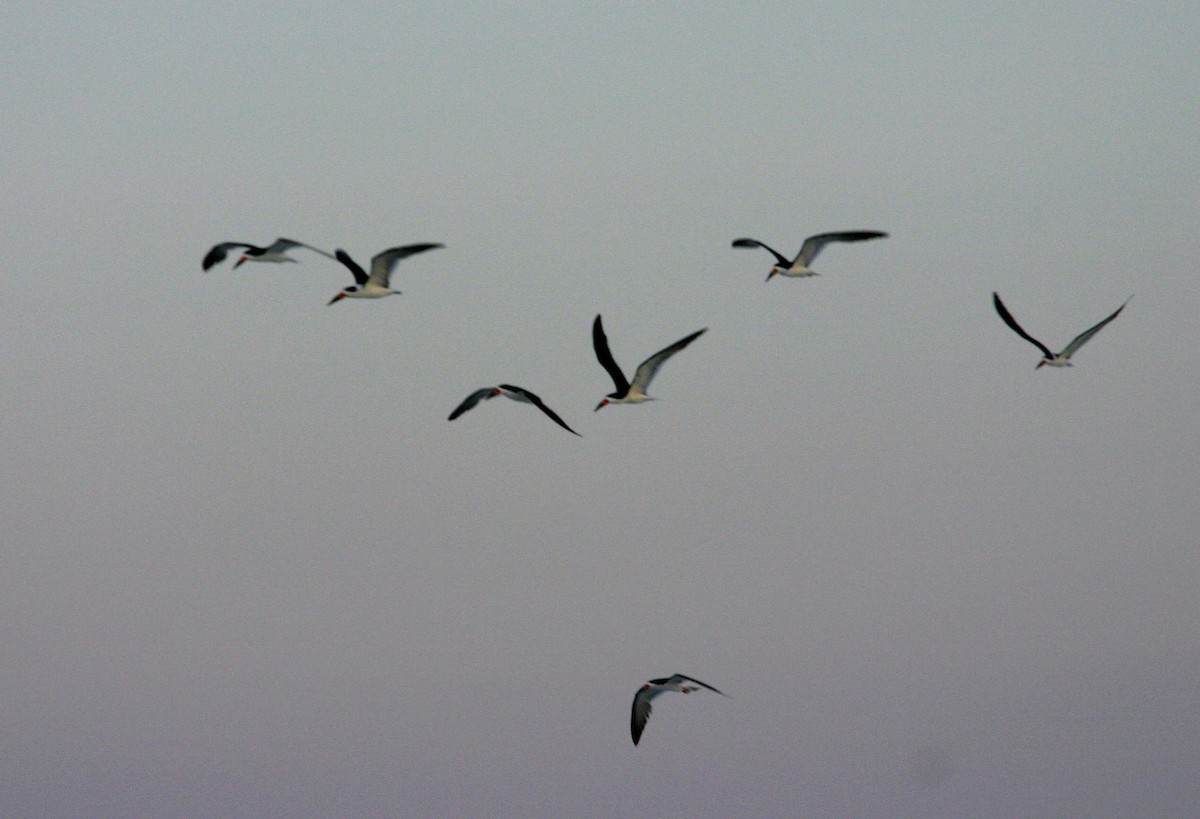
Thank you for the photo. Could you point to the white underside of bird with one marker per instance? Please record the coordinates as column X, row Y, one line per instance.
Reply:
column 797, row 272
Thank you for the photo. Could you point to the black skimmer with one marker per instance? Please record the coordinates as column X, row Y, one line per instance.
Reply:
column 516, row 394
column 641, row 700
column 1062, row 359
column 276, row 252
column 808, row 251
column 375, row 286
column 633, row 392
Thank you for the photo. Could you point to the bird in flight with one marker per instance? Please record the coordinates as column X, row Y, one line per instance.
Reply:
column 516, row 394
column 1060, row 359
column 275, row 252
column 799, row 266
column 651, row 689
column 632, row 392
column 375, row 285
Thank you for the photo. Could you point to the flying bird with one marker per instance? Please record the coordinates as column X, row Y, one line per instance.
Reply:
column 1062, row 359
column 276, row 252
column 516, row 394
column 634, row 392
column 641, row 700
column 808, row 251
column 375, row 286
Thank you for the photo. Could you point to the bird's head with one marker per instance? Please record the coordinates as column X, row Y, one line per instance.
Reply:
column 345, row 291
column 774, row 272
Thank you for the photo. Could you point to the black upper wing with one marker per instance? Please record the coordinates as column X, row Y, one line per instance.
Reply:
column 360, row 275
column 783, row 261
column 471, row 400
column 537, row 402
column 217, row 253
column 1011, row 322
column 600, row 343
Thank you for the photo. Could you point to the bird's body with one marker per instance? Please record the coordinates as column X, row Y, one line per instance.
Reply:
column 799, row 266
column 275, row 252
column 376, row 284
column 1050, row 358
column 632, row 392
column 651, row 689
column 516, row 394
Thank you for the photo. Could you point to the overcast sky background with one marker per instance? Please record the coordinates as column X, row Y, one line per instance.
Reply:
column 251, row 570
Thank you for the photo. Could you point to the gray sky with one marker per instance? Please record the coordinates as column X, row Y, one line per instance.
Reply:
column 251, row 570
